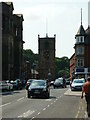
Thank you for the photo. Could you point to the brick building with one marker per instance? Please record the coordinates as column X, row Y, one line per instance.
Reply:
column 81, row 55
column 46, row 51
column 12, row 41
column 72, row 65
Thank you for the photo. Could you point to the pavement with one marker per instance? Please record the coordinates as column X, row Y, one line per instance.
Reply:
column 81, row 113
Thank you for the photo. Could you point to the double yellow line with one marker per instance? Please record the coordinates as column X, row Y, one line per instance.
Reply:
column 79, row 108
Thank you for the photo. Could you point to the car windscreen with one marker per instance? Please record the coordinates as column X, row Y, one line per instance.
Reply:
column 59, row 80
column 78, row 81
column 38, row 83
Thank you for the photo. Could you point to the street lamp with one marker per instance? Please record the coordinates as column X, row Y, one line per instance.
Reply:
column 49, row 75
column 33, row 70
column 27, row 62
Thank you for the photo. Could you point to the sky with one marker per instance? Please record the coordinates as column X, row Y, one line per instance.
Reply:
column 60, row 17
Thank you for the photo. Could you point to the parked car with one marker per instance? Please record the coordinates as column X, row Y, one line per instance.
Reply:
column 51, row 83
column 5, row 86
column 60, row 82
column 77, row 84
column 38, row 88
column 67, row 81
column 17, row 84
column 28, row 83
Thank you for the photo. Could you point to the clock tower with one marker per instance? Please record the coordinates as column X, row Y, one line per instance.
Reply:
column 46, row 51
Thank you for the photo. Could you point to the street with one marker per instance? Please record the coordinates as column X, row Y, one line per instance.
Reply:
column 61, row 104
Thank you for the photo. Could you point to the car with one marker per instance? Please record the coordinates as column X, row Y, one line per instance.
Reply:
column 60, row 82
column 51, row 83
column 38, row 88
column 67, row 81
column 77, row 84
column 5, row 86
column 28, row 83
column 17, row 84
column 9, row 84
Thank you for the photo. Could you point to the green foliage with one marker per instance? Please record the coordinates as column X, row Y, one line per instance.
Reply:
column 30, row 56
column 62, row 64
column 62, row 67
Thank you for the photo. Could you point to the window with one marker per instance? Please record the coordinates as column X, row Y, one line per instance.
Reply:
column 80, row 50
column 80, row 62
column 80, row 39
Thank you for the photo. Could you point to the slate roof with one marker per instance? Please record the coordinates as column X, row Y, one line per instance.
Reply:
column 88, row 30
column 81, row 31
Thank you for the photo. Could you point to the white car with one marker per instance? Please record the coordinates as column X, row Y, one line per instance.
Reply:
column 5, row 86
column 77, row 84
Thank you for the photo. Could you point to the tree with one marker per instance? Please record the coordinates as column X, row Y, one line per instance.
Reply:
column 61, row 64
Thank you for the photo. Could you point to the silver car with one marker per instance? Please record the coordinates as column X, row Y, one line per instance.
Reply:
column 5, row 86
column 77, row 84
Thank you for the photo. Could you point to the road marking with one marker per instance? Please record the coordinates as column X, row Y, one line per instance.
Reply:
column 48, row 106
column 48, row 100
column 44, row 109
column 5, row 104
column 79, row 108
column 32, row 118
column 20, row 99
column 38, row 113
column 26, row 114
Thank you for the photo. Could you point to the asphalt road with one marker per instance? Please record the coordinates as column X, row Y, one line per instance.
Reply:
column 60, row 105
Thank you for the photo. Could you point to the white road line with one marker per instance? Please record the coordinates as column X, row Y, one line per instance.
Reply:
column 44, row 109
column 48, row 100
column 26, row 114
column 5, row 104
column 48, row 106
column 38, row 113
column 20, row 99
column 32, row 118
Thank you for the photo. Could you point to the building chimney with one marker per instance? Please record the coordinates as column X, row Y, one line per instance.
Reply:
column 89, row 13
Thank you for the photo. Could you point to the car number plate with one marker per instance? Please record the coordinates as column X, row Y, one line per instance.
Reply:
column 36, row 91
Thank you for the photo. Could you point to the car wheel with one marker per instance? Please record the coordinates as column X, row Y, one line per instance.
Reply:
column 28, row 95
column 9, row 89
column 47, row 95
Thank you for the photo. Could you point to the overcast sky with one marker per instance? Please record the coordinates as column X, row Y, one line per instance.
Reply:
column 60, row 17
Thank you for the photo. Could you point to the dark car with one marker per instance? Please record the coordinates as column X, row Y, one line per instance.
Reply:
column 28, row 83
column 60, row 82
column 51, row 83
column 67, row 81
column 38, row 88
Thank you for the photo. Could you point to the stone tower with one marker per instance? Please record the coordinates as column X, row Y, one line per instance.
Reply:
column 46, row 51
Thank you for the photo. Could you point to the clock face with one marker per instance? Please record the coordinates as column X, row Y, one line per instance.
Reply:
column 46, row 54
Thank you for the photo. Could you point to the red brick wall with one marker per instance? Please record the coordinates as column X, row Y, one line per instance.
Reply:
column 87, row 56
column 72, row 64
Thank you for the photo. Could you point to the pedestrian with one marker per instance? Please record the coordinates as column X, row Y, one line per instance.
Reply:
column 86, row 90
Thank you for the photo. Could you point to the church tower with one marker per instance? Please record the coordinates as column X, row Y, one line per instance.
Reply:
column 46, row 51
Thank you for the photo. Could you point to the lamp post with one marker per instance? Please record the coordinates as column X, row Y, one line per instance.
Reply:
column 27, row 62
column 49, row 76
column 33, row 70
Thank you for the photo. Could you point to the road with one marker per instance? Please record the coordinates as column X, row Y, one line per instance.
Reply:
column 61, row 104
